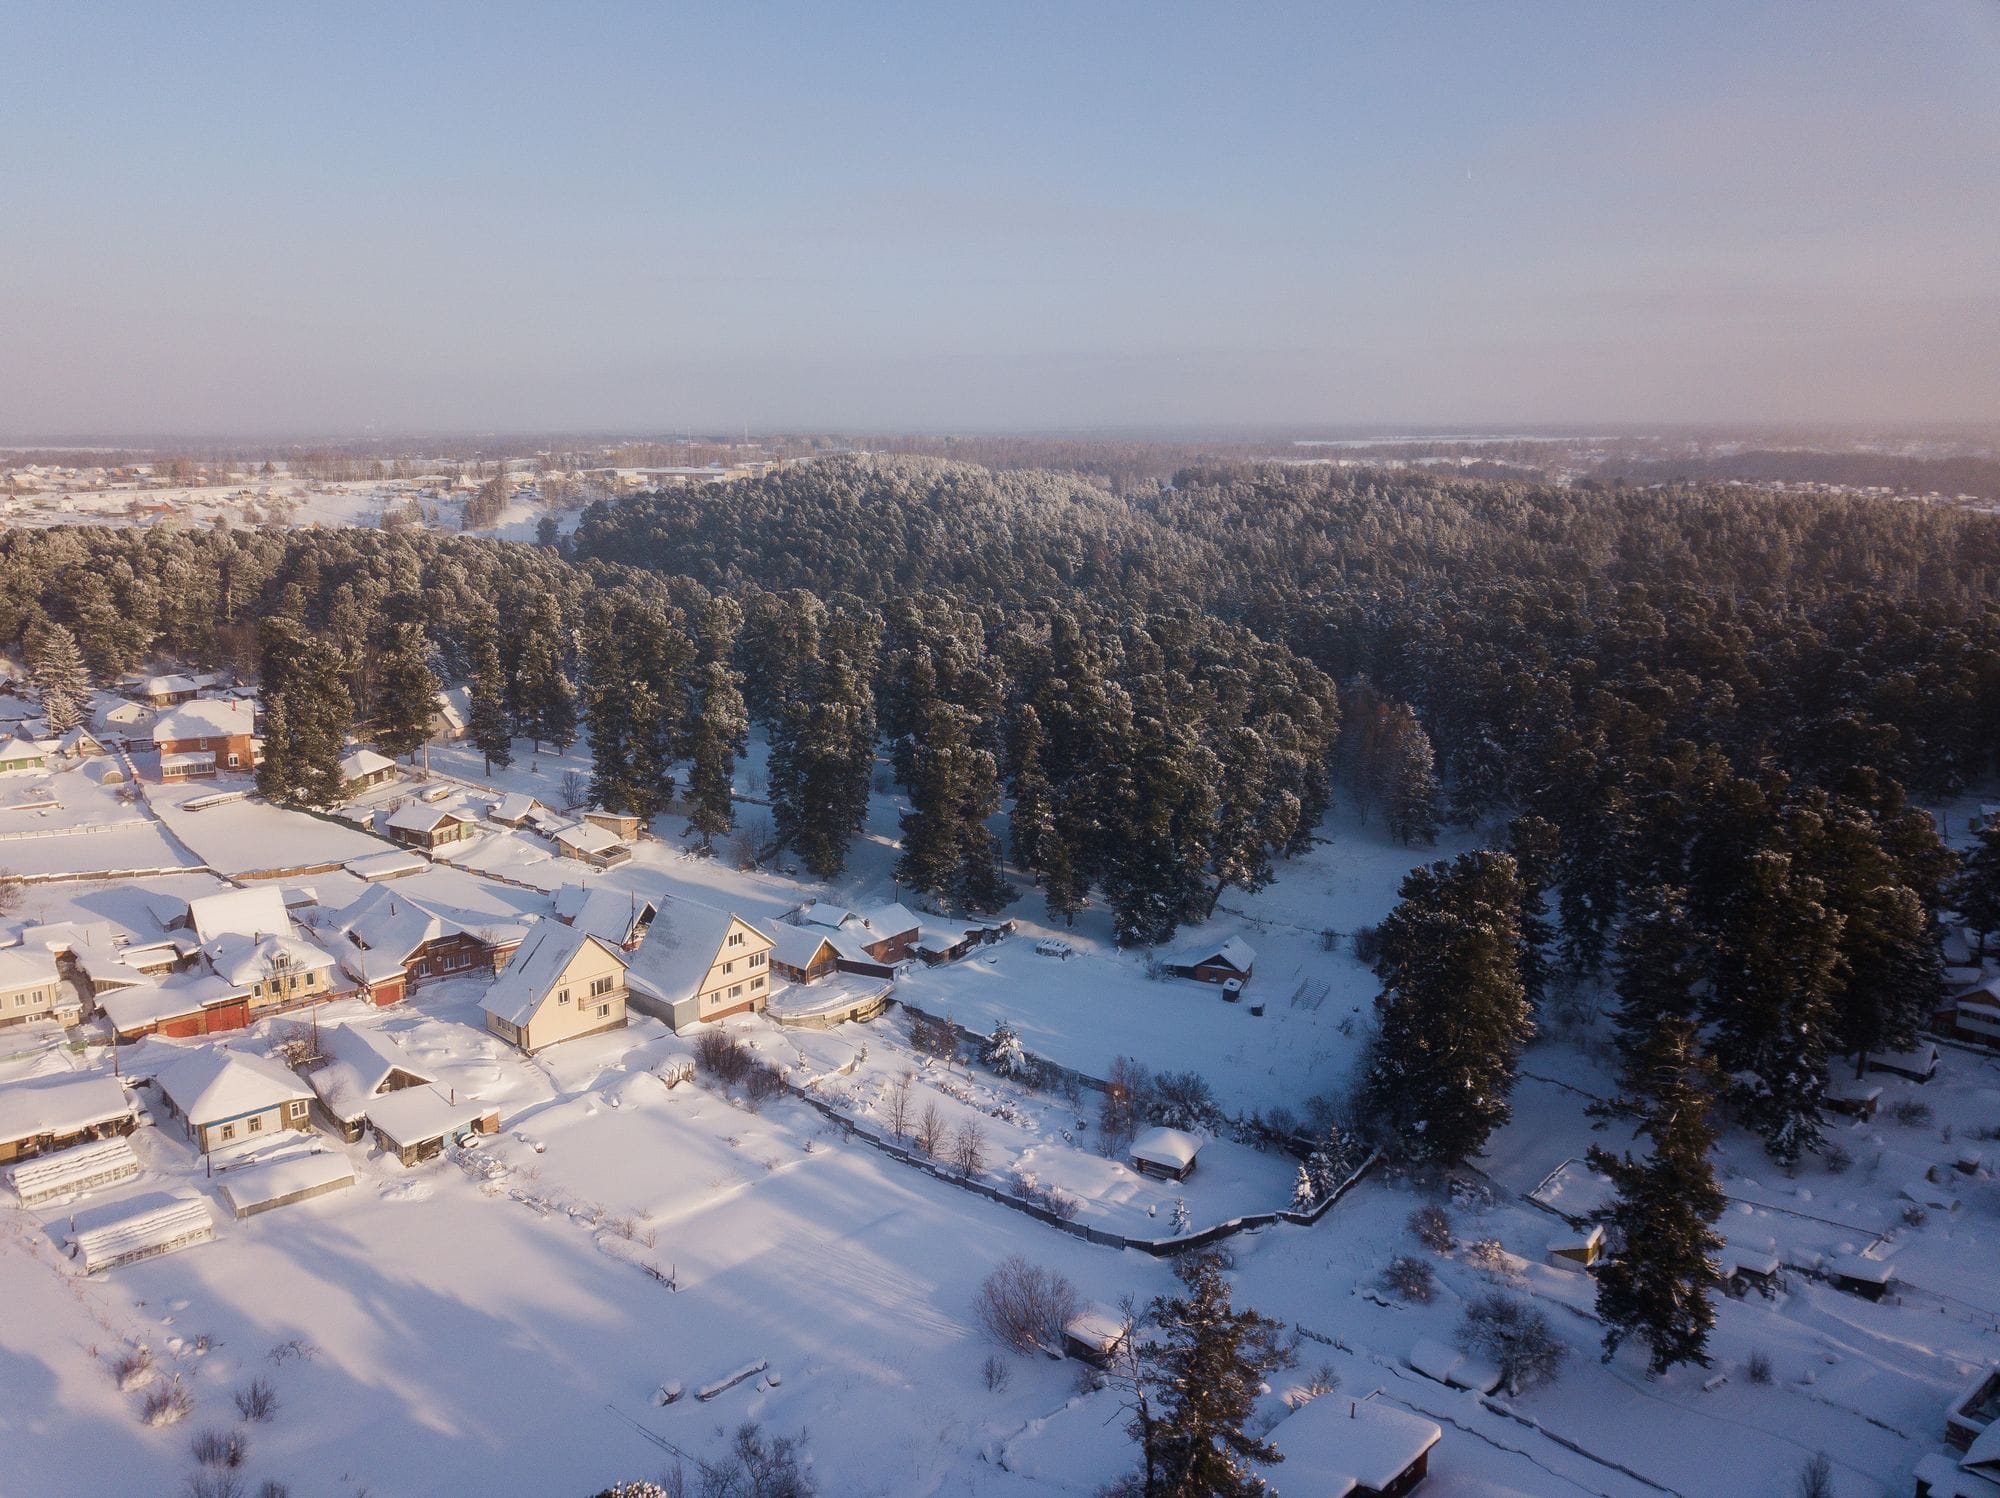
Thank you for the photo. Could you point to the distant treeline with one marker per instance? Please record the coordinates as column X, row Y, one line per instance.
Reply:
column 1979, row 477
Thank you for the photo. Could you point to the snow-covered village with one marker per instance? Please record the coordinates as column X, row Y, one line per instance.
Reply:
column 1145, row 750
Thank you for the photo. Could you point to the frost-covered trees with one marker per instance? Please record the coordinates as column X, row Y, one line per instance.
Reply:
column 1326, row 1168
column 1515, row 1338
column 306, row 714
column 62, row 681
column 1193, row 1383
column 1660, row 961
column 1976, row 894
column 1023, row 1305
column 948, row 851
column 1659, row 1286
column 1004, row 1053
column 1454, row 1016
column 489, row 728
column 718, row 727
column 405, row 691
column 822, row 753
column 544, row 700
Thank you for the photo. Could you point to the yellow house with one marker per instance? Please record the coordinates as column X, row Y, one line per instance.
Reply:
column 698, row 963
column 30, row 986
column 562, row 983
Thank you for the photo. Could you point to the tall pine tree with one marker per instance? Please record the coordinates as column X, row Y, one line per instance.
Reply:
column 405, row 692
column 1454, row 1015
column 490, row 729
column 62, row 681
column 1194, row 1387
column 1659, row 1286
column 1977, row 891
column 306, row 715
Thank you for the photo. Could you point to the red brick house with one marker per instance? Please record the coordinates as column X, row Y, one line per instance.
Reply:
column 200, row 738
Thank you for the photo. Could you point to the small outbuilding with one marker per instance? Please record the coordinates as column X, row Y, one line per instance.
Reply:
column 1859, row 1275
column 415, row 1124
column 279, row 1183
column 363, row 768
column 1918, row 1064
column 1577, row 1250
column 1168, row 1154
column 1233, row 959
column 423, row 825
column 1094, row 1335
column 1352, row 1448
column 1854, row 1099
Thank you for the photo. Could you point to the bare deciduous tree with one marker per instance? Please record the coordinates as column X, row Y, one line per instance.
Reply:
column 968, row 1149
column 1023, row 1305
column 930, row 1130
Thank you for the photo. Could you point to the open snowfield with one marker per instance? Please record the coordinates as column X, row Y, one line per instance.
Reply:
column 490, row 1325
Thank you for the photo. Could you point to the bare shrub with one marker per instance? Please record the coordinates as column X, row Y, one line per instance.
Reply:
column 1367, row 944
column 220, row 1448
column 1758, row 1368
column 1051, row 1199
column 930, row 1131
column 900, row 1105
column 133, row 1368
column 1516, row 1338
column 1432, row 1227
column 1912, row 1111
column 296, row 1347
column 996, row 1373
column 1183, row 1100
column 722, row 1056
column 1835, row 1157
column 258, row 1401
column 968, row 1149
column 167, row 1404
column 757, row 1467
column 1024, row 1306
column 1914, row 1216
column 762, row 1083
column 270, row 1487
column 1486, row 1253
column 1410, row 1278
column 212, row 1482
column 933, row 1037
column 1815, row 1478
column 1118, row 1110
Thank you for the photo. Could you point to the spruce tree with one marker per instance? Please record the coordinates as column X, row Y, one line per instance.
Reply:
column 948, row 850
column 62, row 681
column 821, row 759
column 545, row 705
column 1977, row 891
column 1659, row 1286
column 1659, row 962
column 1777, row 965
column 1031, row 819
column 1454, row 1015
column 1534, row 843
column 489, row 728
column 1195, row 1386
column 1413, row 784
column 406, row 692
column 719, row 730
column 306, row 716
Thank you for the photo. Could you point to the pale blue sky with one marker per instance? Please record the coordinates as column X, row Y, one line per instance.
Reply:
column 407, row 217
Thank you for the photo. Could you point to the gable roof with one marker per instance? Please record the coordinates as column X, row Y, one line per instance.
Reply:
column 613, row 914
column 1173, row 1148
column 251, row 959
column 587, row 837
column 514, row 807
column 358, row 1062
column 214, row 1086
column 797, row 946
column 683, row 944
column 364, row 762
column 454, row 705
column 1334, row 1445
column 524, row 985
column 67, row 1106
column 255, row 911
column 25, row 964
column 423, row 816
column 890, row 920
column 389, row 921
column 205, row 718
column 819, row 913
column 1235, row 952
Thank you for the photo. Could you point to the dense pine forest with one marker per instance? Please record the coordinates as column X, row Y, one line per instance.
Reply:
column 1691, row 723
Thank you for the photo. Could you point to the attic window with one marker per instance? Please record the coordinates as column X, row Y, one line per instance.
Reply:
column 736, row 938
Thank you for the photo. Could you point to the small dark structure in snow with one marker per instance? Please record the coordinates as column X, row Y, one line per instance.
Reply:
column 1579, row 1251
column 1855, row 1099
column 1166, row 1153
column 1858, row 1275
column 1919, row 1064
column 1094, row 1335
column 1974, row 1411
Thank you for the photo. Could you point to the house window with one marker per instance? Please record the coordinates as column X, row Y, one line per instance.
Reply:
column 755, row 984
column 756, row 959
column 562, row 996
column 233, row 761
column 728, row 967
column 604, row 1011
column 256, row 1125
column 227, row 1132
column 298, row 1108
column 601, row 985
column 736, row 992
column 311, row 978
column 736, row 938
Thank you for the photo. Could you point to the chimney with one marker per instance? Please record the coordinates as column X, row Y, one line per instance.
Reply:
column 1352, row 1407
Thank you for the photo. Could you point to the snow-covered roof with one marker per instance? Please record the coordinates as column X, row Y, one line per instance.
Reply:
column 390, row 865
column 796, row 946
column 416, row 1115
column 205, row 718
column 1334, row 1445
column 243, row 960
column 420, row 816
column 152, row 1224
column 216, row 1085
column 612, row 914
column 148, row 1003
column 1446, row 1364
column 160, row 686
column 67, row 1106
column 274, row 1180
column 1862, row 1269
column 16, row 751
column 682, row 945
column 1235, row 952
column 1574, row 1190
column 454, row 705
column 586, row 837
column 1097, row 1327
column 890, row 920
column 1173, row 1148
column 255, row 911
column 528, row 977
column 83, row 1167
column 23, row 966
column 358, row 1062
column 387, row 921
column 514, row 807
column 819, row 913
column 364, row 762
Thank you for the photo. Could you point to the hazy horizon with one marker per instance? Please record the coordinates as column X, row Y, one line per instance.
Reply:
column 253, row 223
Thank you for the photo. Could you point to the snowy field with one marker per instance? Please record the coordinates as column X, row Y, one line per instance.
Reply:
column 501, row 1323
